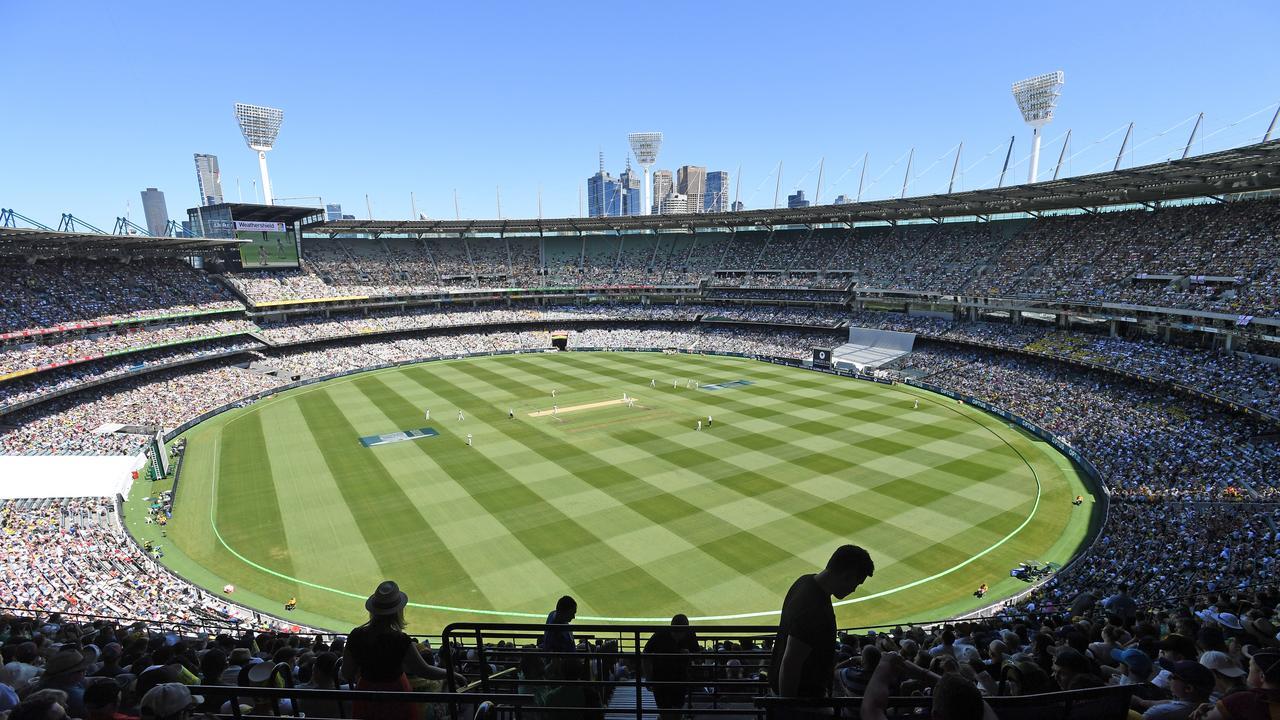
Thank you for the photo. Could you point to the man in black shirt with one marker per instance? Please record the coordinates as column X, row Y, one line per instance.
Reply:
column 661, row 667
column 804, row 651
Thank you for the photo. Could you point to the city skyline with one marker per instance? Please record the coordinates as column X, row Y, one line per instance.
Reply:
column 691, row 189
column 952, row 87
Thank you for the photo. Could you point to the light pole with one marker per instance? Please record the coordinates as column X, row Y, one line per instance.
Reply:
column 645, row 146
column 260, row 126
column 1037, row 97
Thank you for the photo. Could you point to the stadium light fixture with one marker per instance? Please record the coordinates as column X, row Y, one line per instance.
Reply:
column 260, row 125
column 645, row 146
column 1037, row 97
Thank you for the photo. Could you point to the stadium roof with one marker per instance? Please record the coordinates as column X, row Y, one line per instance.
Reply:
column 1244, row 169
column 16, row 241
column 257, row 212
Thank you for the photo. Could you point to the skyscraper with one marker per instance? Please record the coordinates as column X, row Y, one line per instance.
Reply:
column 629, row 184
column 333, row 211
column 842, row 200
column 797, row 200
column 604, row 194
column 738, row 206
column 663, row 185
column 157, row 213
column 691, row 181
column 209, row 178
column 717, row 199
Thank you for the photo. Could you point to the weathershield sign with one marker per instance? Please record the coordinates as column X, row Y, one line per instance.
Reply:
column 266, row 244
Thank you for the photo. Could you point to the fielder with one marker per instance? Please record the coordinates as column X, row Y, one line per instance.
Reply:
column 460, row 417
column 468, row 439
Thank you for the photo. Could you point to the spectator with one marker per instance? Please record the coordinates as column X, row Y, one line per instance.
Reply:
column 1228, row 675
column 168, row 701
column 1190, row 684
column 954, row 698
column 1072, row 670
column 42, row 705
column 1121, row 605
column 803, row 651
column 66, row 672
column 102, row 701
column 324, row 676
column 378, row 655
column 660, row 668
column 558, row 637
column 1262, row 699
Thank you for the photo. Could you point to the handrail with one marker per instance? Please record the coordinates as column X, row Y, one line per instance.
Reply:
column 453, row 699
column 1114, row 696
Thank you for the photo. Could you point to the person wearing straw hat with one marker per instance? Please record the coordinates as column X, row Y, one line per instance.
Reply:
column 378, row 654
column 65, row 671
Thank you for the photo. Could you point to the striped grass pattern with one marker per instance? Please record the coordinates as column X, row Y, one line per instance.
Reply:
column 629, row 508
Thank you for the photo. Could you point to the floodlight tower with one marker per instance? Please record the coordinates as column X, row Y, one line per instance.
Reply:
column 260, row 126
column 1037, row 97
column 644, row 146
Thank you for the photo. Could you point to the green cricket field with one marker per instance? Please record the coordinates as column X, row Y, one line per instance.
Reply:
column 626, row 505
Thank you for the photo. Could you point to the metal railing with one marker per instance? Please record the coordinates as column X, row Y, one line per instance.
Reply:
column 499, row 705
column 520, row 663
column 1104, row 703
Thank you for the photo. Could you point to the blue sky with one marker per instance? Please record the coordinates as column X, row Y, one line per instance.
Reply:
column 101, row 100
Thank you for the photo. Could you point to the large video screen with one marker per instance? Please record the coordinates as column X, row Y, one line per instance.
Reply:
column 268, row 245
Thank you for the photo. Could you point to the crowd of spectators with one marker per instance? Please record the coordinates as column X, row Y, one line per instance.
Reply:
column 1163, row 549
column 72, row 555
column 67, row 425
column 1206, row 655
column 29, row 387
column 1219, row 257
column 310, row 328
column 1145, row 442
column 350, row 356
column 76, row 347
column 1242, row 380
column 49, row 293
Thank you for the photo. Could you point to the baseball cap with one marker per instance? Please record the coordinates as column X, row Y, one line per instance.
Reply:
column 1137, row 660
column 167, row 699
column 1190, row 672
column 1222, row 663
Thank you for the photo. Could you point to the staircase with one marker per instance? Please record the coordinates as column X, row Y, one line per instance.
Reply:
column 622, row 706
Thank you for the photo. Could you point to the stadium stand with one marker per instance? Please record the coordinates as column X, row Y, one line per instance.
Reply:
column 1131, row 257
column 51, row 294
column 1181, row 427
